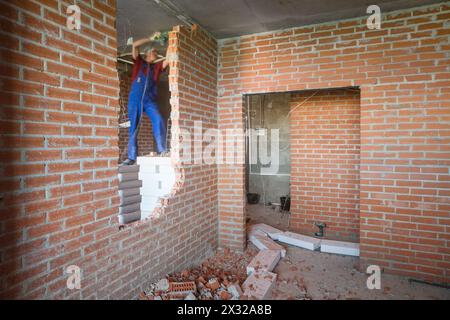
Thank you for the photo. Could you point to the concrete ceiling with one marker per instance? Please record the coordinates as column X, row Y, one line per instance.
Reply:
column 229, row 18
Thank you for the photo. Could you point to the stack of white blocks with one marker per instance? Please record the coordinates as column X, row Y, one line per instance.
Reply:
column 158, row 178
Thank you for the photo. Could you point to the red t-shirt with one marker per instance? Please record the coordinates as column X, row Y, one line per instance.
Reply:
column 141, row 63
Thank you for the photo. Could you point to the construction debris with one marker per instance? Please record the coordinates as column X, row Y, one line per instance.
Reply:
column 182, row 287
column 300, row 240
column 265, row 243
column 266, row 229
column 265, row 260
column 311, row 243
column 225, row 295
column 218, row 278
column 213, row 284
column 260, row 281
column 259, row 285
column 213, row 290
column 163, row 285
column 235, row 291
column 190, row 296
column 221, row 277
column 255, row 232
column 340, row 247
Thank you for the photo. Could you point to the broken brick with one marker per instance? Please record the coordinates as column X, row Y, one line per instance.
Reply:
column 259, row 285
column 213, row 284
column 225, row 295
column 182, row 287
column 185, row 273
column 265, row 243
column 265, row 260
column 201, row 280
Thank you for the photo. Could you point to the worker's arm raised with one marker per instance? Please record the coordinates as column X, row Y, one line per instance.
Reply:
column 137, row 44
column 166, row 61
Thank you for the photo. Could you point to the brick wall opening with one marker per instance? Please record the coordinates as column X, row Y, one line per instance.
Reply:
column 146, row 143
column 144, row 187
column 321, row 129
column 267, row 112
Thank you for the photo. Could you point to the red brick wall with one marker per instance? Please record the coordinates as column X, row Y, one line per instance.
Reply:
column 325, row 147
column 58, row 176
column 402, row 71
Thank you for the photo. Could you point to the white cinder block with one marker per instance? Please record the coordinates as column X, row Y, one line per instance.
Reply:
column 265, row 260
column 269, row 230
column 157, row 184
column 155, row 169
column 265, row 243
column 151, row 161
column 259, row 285
column 152, row 187
column 299, row 240
column 158, row 179
column 340, row 247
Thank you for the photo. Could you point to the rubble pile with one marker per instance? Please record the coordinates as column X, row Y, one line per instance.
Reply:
column 218, row 278
column 232, row 276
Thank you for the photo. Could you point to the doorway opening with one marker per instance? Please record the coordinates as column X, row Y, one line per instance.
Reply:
column 268, row 159
column 316, row 187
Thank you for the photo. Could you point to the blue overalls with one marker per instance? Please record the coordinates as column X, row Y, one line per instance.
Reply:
column 142, row 97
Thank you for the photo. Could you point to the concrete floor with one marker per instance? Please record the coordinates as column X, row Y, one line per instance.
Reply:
column 258, row 213
column 305, row 274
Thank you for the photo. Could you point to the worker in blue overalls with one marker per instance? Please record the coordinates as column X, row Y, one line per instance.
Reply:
column 142, row 98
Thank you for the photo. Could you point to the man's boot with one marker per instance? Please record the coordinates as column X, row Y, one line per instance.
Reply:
column 128, row 162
